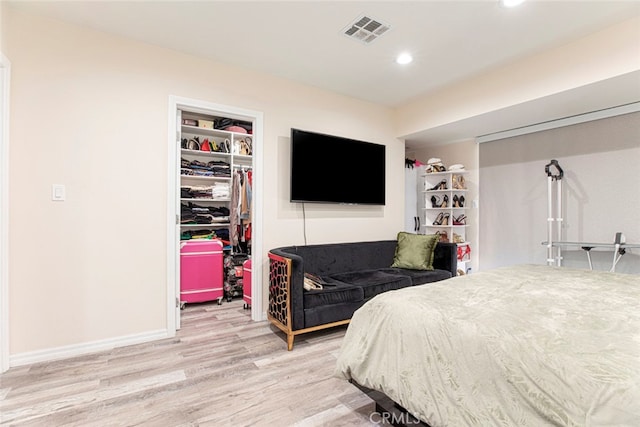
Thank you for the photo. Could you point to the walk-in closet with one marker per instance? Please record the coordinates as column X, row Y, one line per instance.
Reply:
column 215, row 227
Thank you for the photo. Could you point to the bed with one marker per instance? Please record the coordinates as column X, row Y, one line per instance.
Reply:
column 525, row 345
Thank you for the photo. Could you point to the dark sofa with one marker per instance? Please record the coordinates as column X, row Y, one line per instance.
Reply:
column 354, row 273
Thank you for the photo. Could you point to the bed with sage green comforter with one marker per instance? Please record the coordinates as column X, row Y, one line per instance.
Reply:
column 526, row 345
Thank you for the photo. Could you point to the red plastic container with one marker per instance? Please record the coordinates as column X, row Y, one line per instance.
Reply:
column 201, row 272
column 246, row 283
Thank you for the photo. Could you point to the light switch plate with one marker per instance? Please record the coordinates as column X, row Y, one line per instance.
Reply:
column 58, row 192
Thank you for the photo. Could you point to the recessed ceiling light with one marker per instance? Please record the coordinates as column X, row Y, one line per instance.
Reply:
column 511, row 3
column 404, row 58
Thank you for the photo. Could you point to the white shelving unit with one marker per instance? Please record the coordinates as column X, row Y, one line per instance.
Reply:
column 235, row 150
column 446, row 206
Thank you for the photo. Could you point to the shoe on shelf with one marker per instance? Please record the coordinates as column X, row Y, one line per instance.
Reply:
column 445, row 201
column 456, row 201
column 439, row 219
column 442, row 185
column 458, row 182
column 460, row 220
column 445, row 219
column 461, row 201
column 435, row 201
column 464, row 253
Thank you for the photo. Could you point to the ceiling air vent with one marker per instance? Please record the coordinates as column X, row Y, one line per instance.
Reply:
column 365, row 29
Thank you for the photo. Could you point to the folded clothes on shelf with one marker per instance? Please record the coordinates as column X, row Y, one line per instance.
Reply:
column 214, row 168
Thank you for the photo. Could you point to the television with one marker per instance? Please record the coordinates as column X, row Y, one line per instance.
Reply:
column 333, row 169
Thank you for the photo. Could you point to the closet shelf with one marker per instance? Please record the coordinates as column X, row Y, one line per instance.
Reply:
column 213, row 224
column 207, row 153
column 445, row 226
column 193, row 199
column 212, row 132
column 445, row 209
column 448, row 190
column 205, row 178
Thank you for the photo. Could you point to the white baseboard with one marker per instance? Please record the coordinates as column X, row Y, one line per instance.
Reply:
column 74, row 350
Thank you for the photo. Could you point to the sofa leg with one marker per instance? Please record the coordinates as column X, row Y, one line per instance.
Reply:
column 290, row 338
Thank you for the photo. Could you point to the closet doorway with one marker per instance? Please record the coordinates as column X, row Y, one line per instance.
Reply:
column 238, row 147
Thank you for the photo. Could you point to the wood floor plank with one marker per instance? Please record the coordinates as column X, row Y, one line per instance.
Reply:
column 221, row 369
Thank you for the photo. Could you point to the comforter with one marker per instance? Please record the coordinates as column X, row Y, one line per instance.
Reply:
column 526, row 345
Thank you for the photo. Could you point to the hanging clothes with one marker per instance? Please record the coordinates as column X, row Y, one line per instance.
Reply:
column 240, row 216
column 234, row 215
column 245, row 198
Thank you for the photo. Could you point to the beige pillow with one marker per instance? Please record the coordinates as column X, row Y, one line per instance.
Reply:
column 415, row 251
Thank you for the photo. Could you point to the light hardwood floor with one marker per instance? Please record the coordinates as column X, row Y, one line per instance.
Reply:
column 221, row 369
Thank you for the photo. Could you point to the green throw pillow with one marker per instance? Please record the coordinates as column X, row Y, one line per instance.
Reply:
column 415, row 251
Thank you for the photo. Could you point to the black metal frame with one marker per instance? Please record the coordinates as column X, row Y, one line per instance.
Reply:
column 398, row 416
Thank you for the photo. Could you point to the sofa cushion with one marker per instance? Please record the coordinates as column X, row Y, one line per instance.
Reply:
column 373, row 281
column 415, row 251
column 324, row 314
column 336, row 294
column 420, row 277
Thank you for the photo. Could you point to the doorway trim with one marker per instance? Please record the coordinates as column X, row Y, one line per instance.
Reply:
column 177, row 103
column 5, row 75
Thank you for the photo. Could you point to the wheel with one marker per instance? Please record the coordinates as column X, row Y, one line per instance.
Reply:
column 220, row 301
column 182, row 305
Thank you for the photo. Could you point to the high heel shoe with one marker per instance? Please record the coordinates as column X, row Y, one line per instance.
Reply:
column 435, row 201
column 458, row 182
column 461, row 201
column 464, row 253
column 460, row 220
column 445, row 219
column 439, row 219
column 456, row 202
column 445, row 201
column 442, row 185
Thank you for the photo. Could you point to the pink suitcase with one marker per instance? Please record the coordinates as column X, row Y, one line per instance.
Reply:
column 201, row 276
column 246, row 283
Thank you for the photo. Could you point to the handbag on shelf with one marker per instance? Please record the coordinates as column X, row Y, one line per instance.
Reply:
column 442, row 236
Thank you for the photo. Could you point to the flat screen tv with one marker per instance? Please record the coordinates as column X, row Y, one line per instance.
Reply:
column 333, row 169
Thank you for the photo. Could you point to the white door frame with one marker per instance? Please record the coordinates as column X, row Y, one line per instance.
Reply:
column 5, row 74
column 173, row 238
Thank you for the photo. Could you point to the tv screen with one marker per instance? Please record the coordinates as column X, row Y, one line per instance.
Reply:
column 332, row 169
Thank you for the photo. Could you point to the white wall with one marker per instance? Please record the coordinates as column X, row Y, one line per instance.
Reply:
column 89, row 110
column 601, row 163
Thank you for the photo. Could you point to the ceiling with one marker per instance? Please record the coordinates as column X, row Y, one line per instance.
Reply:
column 304, row 41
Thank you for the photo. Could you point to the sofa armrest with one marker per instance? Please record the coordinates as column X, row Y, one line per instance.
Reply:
column 445, row 257
column 295, row 296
